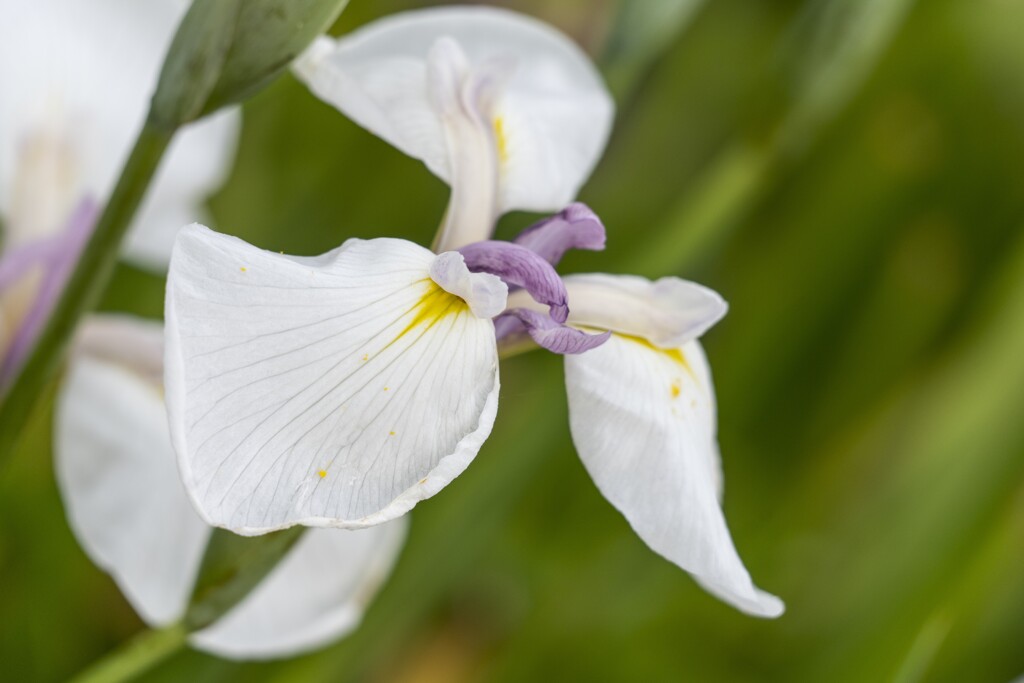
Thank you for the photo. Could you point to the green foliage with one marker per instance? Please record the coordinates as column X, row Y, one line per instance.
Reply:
column 869, row 377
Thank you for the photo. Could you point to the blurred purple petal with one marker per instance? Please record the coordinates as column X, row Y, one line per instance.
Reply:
column 574, row 227
column 56, row 256
column 549, row 334
column 518, row 266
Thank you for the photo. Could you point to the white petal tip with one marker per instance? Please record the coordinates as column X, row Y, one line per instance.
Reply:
column 486, row 294
column 313, row 57
column 761, row 604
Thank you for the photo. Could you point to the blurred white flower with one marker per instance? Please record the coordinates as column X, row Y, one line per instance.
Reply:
column 75, row 81
column 503, row 107
column 126, row 505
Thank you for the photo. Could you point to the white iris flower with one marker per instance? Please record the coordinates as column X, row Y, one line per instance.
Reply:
column 341, row 390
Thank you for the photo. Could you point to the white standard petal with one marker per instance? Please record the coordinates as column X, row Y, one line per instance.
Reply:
column 642, row 420
column 76, row 79
column 116, row 470
column 330, row 391
column 315, row 596
column 549, row 119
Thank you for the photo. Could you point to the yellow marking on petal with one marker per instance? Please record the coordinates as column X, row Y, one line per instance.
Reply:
column 242, row 268
column 675, row 355
column 435, row 305
column 501, row 139
column 322, row 474
column 366, row 357
column 391, row 433
column 385, row 388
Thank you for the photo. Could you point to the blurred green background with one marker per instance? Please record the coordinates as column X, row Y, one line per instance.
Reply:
column 849, row 174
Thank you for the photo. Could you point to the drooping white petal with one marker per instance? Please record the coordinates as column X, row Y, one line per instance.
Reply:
column 116, row 469
column 316, row 595
column 330, row 391
column 642, row 419
column 668, row 312
column 549, row 117
column 76, row 79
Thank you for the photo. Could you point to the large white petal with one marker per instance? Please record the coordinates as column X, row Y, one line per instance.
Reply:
column 316, row 595
column 551, row 119
column 330, row 391
column 76, row 79
column 642, row 419
column 116, row 469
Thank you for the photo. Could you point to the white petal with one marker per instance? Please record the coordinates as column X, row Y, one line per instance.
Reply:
column 117, row 473
column 642, row 420
column 76, row 79
column 316, row 595
column 668, row 312
column 330, row 391
column 485, row 293
column 551, row 118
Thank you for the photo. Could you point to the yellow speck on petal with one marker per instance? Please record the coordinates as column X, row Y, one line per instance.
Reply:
column 391, row 433
column 385, row 388
column 366, row 357
column 322, row 473
column 677, row 388
column 501, row 139
column 242, row 268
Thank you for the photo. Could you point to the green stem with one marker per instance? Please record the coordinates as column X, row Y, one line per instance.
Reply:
column 135, row 656
column 84, row 287
column 232, row 566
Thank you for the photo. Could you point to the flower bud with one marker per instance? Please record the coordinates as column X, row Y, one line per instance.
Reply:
column 226, row 50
